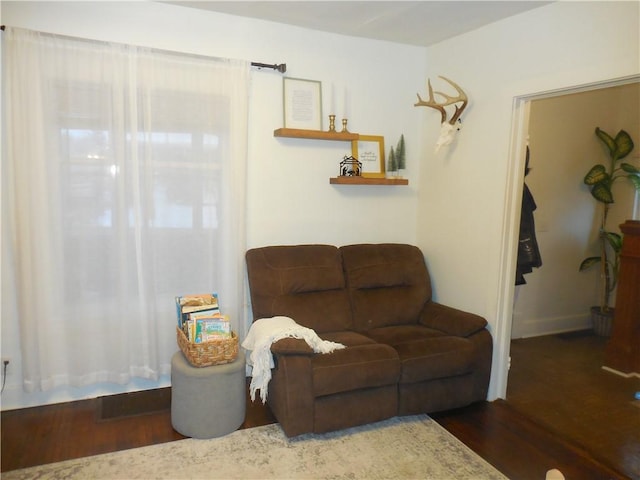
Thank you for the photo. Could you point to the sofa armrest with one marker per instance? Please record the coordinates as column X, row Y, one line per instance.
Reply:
column 291, row 346
column 451, row 320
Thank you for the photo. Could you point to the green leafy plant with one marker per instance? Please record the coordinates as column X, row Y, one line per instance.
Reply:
column 600, row 180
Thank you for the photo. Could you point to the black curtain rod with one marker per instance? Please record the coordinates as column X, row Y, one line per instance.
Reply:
column 282, row 67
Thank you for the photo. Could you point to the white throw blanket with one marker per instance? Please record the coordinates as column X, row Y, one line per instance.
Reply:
column 262, row 334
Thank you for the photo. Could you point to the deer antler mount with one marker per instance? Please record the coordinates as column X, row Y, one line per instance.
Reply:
column 447, row 129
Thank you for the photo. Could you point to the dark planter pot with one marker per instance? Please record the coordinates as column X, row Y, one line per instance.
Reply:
column 602, row 321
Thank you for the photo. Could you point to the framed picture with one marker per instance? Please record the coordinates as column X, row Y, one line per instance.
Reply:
column 302, row 104
column 369, row 150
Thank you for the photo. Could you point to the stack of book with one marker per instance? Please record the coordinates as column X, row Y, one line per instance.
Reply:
column 200, row 319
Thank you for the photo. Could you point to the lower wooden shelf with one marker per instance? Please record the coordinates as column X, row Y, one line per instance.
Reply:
column 367, row 181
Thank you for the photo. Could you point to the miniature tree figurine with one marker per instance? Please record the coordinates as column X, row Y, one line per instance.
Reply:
column 392, row 165
column 400, row 154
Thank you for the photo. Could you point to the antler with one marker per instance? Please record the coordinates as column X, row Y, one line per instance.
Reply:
column 449, row 100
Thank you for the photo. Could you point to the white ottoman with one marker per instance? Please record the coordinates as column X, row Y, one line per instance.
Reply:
column 207, row 402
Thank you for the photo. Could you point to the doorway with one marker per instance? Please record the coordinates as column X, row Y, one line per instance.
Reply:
column 563, row 147
column 570, row 317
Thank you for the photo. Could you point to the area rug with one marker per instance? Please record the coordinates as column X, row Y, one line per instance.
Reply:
column 413, row 447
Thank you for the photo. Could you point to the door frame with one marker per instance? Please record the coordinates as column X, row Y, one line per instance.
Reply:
column 511, row 219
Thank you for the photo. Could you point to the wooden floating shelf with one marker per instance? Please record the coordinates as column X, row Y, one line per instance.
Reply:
column 367, row 181
column 339, row 136
column 315, row 134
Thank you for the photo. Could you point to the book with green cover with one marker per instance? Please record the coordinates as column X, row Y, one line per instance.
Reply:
column 211, row 328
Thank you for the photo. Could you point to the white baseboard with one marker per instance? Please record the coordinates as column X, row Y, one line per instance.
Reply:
column 14, row 397
column 523, row 328
column 622, row 374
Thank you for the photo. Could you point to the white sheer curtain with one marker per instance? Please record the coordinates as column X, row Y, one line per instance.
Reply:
column 123, row 186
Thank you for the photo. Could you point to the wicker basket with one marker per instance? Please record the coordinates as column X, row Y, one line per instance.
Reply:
column 205, row 354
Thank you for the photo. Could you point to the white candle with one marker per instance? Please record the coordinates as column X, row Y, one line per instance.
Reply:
column 332, row 106
column 345, row 107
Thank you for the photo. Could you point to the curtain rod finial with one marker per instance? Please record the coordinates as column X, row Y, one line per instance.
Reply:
column 282, row 67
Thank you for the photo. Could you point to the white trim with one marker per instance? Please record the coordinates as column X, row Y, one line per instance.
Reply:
column 15, row 397
column 510, row 226
column 550, row 326
column 617, row 372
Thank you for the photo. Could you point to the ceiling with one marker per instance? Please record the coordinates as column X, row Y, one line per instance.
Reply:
column 420, row 23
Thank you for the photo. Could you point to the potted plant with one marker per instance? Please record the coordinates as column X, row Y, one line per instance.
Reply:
column 600, row 180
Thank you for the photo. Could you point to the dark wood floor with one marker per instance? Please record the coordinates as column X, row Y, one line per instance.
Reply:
column 518, row 444
column 558, row 381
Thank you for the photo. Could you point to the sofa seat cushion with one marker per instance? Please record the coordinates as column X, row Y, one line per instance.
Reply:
column 402, row 333
column 427, row 354
column 362, row 366
column 348, row 338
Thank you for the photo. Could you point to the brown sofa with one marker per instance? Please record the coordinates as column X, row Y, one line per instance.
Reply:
column 406, row 354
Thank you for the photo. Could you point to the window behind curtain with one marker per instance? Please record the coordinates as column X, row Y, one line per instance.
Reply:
column 124, row 185
column 181, row 184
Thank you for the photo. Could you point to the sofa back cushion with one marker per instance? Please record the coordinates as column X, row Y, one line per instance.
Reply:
column 388, row 284
column 304, row 282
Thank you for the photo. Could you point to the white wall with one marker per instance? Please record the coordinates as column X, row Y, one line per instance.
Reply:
column 557, row 297
column 469, row 196
column 290, row 199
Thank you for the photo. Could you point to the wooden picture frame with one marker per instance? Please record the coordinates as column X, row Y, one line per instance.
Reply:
column 302, row 102
column 369, row 150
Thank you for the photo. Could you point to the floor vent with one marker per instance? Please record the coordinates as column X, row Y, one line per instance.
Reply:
column 134, row 403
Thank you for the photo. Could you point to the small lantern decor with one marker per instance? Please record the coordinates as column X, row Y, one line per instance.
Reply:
column 350, row 167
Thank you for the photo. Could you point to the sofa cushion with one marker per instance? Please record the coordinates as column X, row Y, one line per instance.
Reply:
column 398, row 334
column 388, row 284
column 363, row 366
column 348, row 338
column 304, row 282
column 451, row 320
column 433, row 358
column 427, row 354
